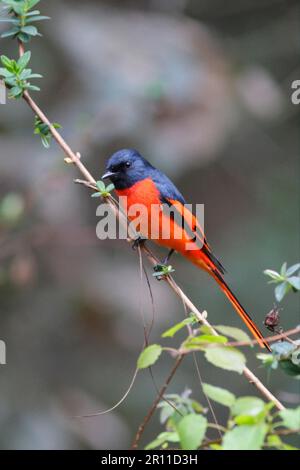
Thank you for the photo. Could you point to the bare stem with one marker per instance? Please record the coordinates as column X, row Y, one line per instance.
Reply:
column 78, row 163
column 90, row 182
column 153, row 407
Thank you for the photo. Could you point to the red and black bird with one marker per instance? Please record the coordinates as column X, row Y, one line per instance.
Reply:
column 143, row 184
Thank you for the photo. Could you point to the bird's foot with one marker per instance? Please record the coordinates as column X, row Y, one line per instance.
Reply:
column 162, row 270
column 138, row 242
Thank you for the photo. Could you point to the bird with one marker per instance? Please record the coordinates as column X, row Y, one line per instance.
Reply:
column 140, row 184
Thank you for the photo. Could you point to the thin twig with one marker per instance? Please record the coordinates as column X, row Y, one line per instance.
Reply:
column 153, row 407
column 75, row 159
column 78, row 163
column 270, row 339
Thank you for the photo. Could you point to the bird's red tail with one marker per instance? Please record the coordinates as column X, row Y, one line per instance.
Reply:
column 241, row 311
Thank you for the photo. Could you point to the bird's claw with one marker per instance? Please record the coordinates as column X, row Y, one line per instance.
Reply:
column 162, row 270
column 138, row 242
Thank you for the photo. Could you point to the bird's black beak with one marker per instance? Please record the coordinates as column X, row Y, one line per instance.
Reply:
column 108, row 174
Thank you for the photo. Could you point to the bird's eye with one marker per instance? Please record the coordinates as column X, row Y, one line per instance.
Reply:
column 128, row 164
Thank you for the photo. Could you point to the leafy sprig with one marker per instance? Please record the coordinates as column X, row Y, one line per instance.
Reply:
column 252, row 423
column 16, row 76
column 288, row 279
column 104, row 191
column 43, row 130
column 21, row 16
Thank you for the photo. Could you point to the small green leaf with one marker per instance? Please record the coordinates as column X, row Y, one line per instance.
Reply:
column 31, row 30
column 273, row 274
column 11, row 32
column 110, row 187
column 201, row 342
column 100, row 185
column 24, row 60
column 236, row 333
column 38, row 18
column 245, row 419
column 15, row 92
column 149, row 356
column 290, row 368
column 245, row 437
column 281, row 290
column 191, row 431
column 96, row 195
column 291, row 418
column 282, row 349
column 283, row 269
column 226, row 357
column 8, row 64
column 171, row 331
column 292, row 269
column 219, row 395
column 161, row 270
column 161, row 439
column 294, row 281
column 33, row 88
column 248, row 406
column 5, row 73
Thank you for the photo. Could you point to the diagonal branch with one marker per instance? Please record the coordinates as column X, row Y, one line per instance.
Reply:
column 90, row 182
column 153, row 260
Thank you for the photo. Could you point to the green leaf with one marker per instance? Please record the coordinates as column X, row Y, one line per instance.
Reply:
column 33, row 88
column 31, row 30
column 226, row 357
column 281, row 290
column 274, row 441
column 294, row 281
column 219, row 395
column 110, row 187
column 8, row 64
column 23, row 37
column 245, row 437
column 96, row 195
column 100, row 185
column 9, row 20
column 38, row 18
column 273, row 274
column 233, row 332
column 15, row 92
column 282, row 349
column 32, row 3
column 191, row 431
column 292, row 269
column 161, row 439
column 283, row 269
column 291, row 418
column 5, row 73
column 10, row 33
column 289, row 367
column 171, row 331
column 244, row 419
column 23, row 61
column 207, row 330
column 149, row 356
column 201, row 342
column 248, row 406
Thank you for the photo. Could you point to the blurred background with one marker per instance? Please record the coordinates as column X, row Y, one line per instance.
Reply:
column 202, row 89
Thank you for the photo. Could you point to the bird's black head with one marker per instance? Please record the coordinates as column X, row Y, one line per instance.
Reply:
column 126, row 167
